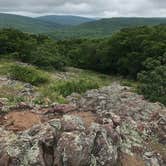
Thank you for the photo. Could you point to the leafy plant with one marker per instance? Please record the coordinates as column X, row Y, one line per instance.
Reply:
column 153, row 80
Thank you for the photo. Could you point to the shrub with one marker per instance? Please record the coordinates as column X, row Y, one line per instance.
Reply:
column 28, row 74
column 153, row 80
column 47, row 56
column 79, row 86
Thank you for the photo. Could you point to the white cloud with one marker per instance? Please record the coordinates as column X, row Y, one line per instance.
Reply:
column 96, row 8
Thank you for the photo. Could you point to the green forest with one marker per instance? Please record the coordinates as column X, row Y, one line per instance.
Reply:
column 137, row 53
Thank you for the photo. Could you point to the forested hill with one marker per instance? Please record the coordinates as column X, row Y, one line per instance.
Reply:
column 122, row 22
column 26, row 24
column 67, row 27
column 104, row 27
column 65, row 19
column 44, row 24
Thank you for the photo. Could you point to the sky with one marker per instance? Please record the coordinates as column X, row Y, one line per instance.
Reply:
column 89, row 8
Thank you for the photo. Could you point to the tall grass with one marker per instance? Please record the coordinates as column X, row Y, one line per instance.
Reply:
column 66, row 88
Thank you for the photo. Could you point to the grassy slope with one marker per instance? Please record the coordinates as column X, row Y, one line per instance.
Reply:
column 26, row 24
column 46, row 90
column 104, row 27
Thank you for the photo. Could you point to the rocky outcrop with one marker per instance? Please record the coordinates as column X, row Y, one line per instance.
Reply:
column 58, row 142
column 139, row 125
column 109, row 126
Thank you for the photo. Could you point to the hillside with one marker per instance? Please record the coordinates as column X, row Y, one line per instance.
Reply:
column 26, row 24
column 104, row 27
column 65, row 19
column 113, row 24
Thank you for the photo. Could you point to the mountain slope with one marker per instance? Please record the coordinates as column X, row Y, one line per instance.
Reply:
column 65, row 20
column 26, row 24
column 113, row 24
column 105, row 27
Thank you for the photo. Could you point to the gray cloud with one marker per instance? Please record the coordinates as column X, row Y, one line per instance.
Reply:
column 94, row 8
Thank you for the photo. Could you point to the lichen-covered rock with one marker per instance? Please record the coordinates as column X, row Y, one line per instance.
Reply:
column 124, row 129
column 104, row 151
column 73, row 149
column 49, row 144
column 136, row 122
column 70, row 123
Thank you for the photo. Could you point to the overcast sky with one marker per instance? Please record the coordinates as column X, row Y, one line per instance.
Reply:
column 93, row 8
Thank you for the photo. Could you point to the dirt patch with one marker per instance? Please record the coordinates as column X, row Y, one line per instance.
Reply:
column 19, row 121
column 127, row 160
column 22, row 120
column 87, row 117
column 158, row 148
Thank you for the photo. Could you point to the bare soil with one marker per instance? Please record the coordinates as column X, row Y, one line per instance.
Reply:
column 20, row 120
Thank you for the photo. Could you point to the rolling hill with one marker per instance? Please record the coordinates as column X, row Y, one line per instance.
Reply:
column 66, row 27
column 26, row 24
column 65, row 19
column 104, row 27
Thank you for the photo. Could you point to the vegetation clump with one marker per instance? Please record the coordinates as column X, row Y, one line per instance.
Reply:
column 66, row 88
column 153, row 79
column 28, row 74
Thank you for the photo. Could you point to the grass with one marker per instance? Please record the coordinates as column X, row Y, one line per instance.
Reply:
column 66, row 88
column 11, row 93
column 73, row 80
column 56, row 85
column 131, row 83
column 5, row 66
column 28, row 74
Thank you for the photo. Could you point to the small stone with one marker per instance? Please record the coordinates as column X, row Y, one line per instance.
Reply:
column 116, row 119
column 148, row 154
column 61, row 109
column 71, row 123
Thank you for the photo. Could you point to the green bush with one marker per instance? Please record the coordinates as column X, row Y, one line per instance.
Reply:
column 79, row 86
column 28, row 74
column 153, row 80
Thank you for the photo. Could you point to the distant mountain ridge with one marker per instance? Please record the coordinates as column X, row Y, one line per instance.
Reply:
column 65, row 19
column 26, row 24
column 67, row 27
column 119, row 22
column 105, row 27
